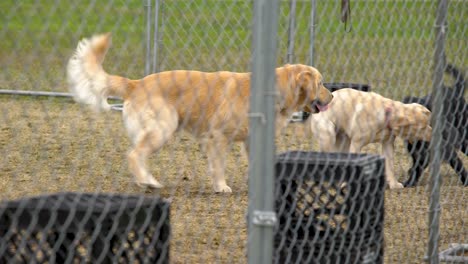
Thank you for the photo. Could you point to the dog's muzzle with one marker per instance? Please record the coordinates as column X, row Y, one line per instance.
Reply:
column 317, row 106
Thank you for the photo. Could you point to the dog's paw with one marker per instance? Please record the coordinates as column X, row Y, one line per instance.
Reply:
column 223, row 189
column 154, row 184
column 395, row 185
column 409, row 184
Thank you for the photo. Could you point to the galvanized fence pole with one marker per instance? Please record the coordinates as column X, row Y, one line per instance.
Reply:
column 436, row 141
column 312, row 31
column 148, row 37
column 156, row 36
column 262, row 218
column 291, row 31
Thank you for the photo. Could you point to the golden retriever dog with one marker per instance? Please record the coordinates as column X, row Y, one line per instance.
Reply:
column 354, row 119
column 212, row 106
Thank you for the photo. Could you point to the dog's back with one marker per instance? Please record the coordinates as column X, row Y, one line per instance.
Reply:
column 363, row 115
column 455, row 92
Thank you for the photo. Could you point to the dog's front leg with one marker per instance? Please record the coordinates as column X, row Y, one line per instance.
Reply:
column 388, row 153
column 245, row 150
column 355, row 146
column 325, row 133
column 216, row 151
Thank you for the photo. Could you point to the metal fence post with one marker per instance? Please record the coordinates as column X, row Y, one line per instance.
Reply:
column 148, row 37
column 312, row 32
column 291, row 31
column 436, row 141
column 156, row 36
column 262, row 218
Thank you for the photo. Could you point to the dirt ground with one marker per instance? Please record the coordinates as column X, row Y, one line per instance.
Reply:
column 51, row 145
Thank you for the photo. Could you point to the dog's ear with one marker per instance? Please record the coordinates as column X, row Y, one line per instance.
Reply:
column 306, row 86
column 305, row 79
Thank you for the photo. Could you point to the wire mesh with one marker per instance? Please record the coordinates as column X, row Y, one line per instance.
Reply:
column 52, row 144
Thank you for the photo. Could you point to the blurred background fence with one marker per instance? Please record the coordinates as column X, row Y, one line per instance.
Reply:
column 49, row 144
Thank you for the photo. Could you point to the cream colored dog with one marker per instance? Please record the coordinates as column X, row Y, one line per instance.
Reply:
column 355, row 119
column 213, row 106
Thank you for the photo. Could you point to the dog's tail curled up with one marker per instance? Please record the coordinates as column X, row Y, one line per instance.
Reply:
column 87, row 80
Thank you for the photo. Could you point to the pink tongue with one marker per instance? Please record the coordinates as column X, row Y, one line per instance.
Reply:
column 322, row 108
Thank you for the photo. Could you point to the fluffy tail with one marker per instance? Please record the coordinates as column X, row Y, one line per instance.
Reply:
column 459, row 79
column 87, row 80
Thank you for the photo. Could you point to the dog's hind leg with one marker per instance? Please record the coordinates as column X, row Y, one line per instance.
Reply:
column 415, row 172
column 154, row 131
column 216, row 150
column 388, row 153
column 457, row 165
column 419, row 152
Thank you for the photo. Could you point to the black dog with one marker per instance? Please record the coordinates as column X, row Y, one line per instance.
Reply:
column 454, row 130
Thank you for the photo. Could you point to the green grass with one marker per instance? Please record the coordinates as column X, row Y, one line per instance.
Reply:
column 390, row 46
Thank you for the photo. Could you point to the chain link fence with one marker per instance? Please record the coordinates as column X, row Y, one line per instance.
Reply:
column 78, row 164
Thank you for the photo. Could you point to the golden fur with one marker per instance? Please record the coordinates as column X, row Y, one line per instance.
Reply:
column 212, row 106
column 355, row 119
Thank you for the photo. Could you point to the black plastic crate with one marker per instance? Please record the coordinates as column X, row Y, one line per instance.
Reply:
column 85, row 228
column 330, row 208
